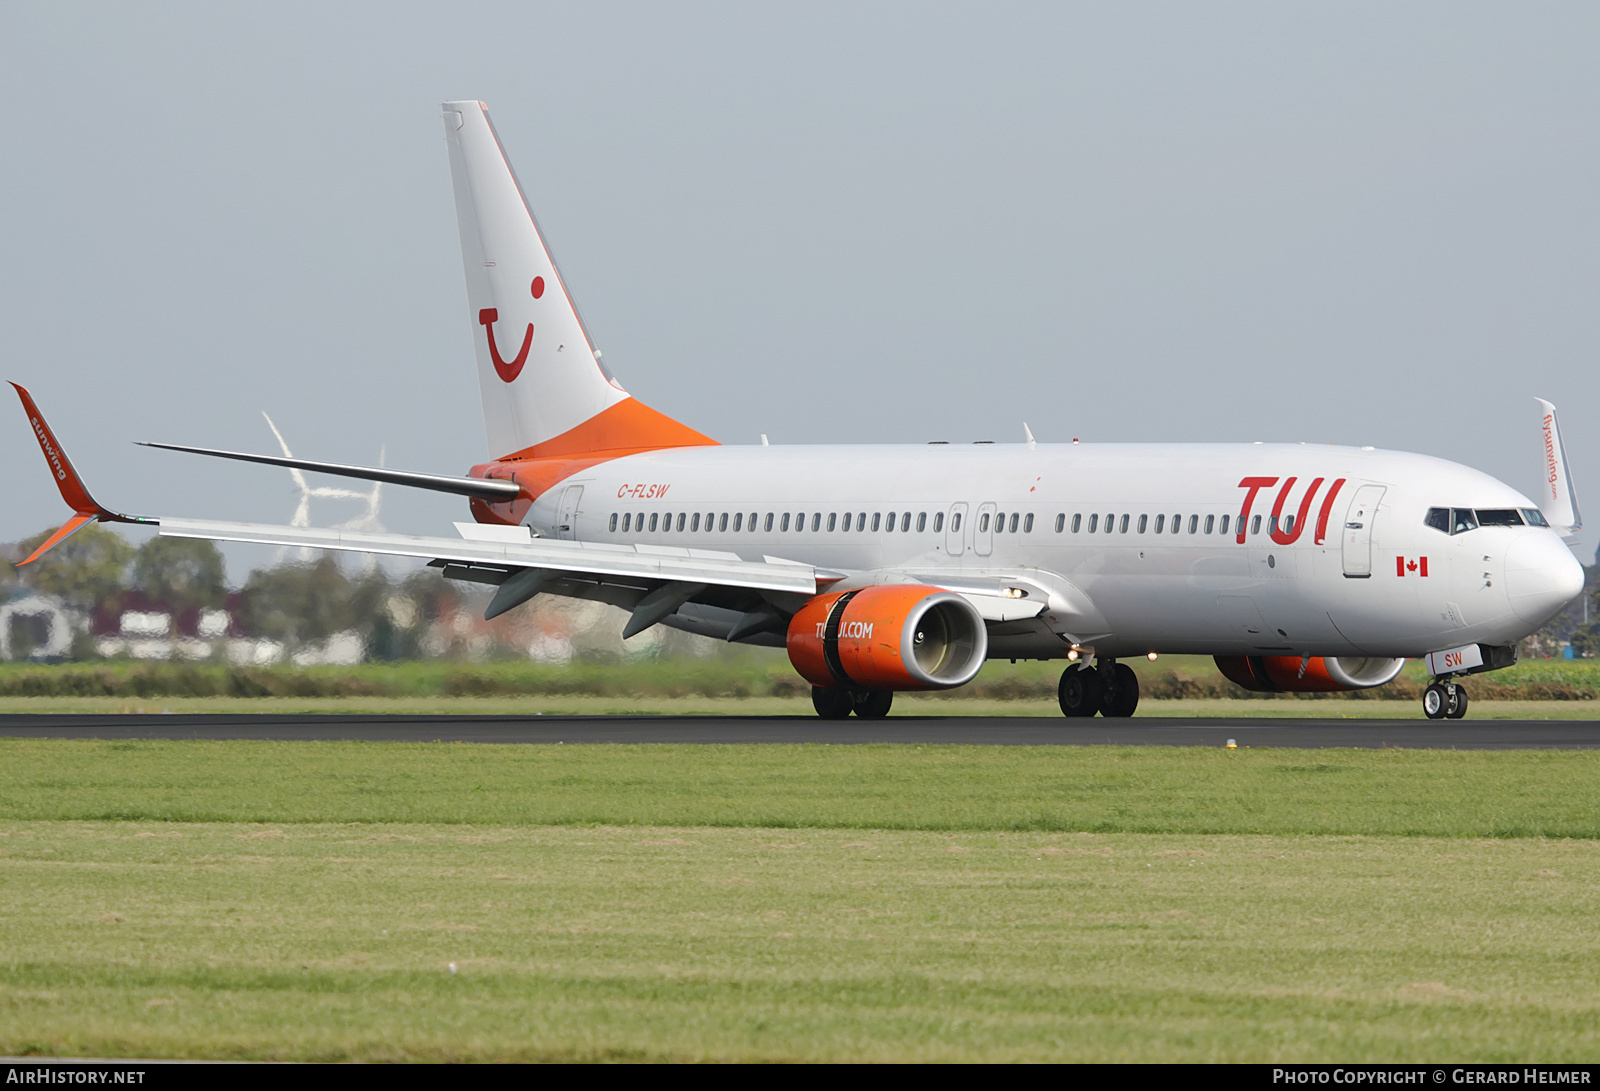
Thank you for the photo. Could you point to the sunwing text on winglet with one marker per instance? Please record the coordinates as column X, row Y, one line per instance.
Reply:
column 84, row 507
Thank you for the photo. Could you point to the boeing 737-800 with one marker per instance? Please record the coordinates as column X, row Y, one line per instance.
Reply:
column 1300, row 568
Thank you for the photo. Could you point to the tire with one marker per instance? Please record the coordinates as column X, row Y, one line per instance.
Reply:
column 832, row 704
column 1435, row 702
column 1458, row 707
column 873, row 704
column 1079, row 692
column 1121, row 697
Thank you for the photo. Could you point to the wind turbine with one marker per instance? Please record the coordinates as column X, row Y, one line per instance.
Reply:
column 368, row 520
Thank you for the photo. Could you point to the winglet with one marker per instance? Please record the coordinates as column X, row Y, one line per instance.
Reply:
column 1557, row 497
column 85, row 508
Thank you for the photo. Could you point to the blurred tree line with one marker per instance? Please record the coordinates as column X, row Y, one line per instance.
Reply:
column 296, row 605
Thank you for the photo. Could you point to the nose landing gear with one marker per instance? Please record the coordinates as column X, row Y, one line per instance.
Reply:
column 1445, row 699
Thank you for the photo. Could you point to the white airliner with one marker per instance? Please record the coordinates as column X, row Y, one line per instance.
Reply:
column 884, row 568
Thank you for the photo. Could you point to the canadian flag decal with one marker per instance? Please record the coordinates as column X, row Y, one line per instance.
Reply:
column 1417, row 566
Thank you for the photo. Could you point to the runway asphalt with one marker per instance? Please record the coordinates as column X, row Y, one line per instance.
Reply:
column 1418, row 734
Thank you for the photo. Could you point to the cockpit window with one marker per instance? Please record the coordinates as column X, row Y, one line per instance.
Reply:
column 1499, row 517
column 1461, row 520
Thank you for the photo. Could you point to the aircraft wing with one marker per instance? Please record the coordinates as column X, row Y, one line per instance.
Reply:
column 516, row 551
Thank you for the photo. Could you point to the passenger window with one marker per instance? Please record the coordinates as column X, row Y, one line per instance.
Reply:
column 1211, row 522
column 653, row 518
column 738, row 521
column 905, row 522
column 1161, row 522
column 1110, row 523
column 1177, row 523
column 922, row 521
column 627, row 521
column 938, row 522
column 799, row 521
column 1027, row 523
column 1288, row 523
column 1222, row 528
column 1144, row 521
column 846, row 524
column 694, row 521
column 1194, row 524
column 1124, row 524
column 955, row 522
column 1000, row 522
column 1061, row 522
column 833, row 520
column 1013, row 522
column 785, row 526
column 816, row 521
column 1255, row 525
column 1094, row 521
column 877, row 519
column 767, row 526
column 1077, row 521
column 983, row 522
column 613, row 520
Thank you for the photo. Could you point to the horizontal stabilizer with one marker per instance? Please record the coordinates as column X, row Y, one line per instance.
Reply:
column 482, row 488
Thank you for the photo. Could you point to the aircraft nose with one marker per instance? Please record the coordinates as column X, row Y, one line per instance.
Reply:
column 1542, row 576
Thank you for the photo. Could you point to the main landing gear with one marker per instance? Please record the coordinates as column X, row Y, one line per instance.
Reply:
column 1111, row 689
column 1446, row 699
column 836, row 704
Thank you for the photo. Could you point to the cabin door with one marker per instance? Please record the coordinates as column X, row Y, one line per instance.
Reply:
column 1357, row 534
column 567, row 512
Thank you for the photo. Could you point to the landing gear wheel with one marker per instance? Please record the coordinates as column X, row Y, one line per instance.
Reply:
column 1079, row 691
column 873, row 704
column 1458, row 705
column 832, row 704
column 1436, row 702
column 1119, row 694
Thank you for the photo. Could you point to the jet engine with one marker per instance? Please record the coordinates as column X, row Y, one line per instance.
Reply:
column 1291, row 674
column 893, row 637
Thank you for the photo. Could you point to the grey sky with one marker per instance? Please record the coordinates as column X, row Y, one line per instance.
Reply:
column 1369, row 224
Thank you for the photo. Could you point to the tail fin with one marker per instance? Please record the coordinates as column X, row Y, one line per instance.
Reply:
column 545, row 391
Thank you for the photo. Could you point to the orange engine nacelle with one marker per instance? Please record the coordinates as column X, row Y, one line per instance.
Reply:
column 900, row 636
column 1286, row 674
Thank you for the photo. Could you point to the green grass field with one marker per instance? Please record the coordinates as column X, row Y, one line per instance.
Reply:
column 364, row 901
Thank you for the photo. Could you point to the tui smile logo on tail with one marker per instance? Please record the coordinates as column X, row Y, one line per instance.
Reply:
column 509, row 370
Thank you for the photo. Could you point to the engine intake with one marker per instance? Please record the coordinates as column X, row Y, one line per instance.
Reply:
column 1284, row 674
column 899, row 636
